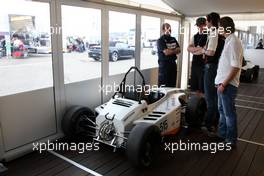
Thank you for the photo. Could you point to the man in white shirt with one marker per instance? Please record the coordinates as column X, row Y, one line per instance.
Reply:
column 227, row 81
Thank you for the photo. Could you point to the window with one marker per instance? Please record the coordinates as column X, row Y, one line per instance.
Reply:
column 174, row 28
column 25, row 47
column 121, row 42
column 150, row 33
column 81, row 43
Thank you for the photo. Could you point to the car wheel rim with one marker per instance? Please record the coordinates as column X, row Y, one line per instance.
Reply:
column 114, row 57
column 81, row 123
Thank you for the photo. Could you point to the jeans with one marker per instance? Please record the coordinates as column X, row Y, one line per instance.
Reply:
column 228, row 117
column 167, row 73
column 210, row 93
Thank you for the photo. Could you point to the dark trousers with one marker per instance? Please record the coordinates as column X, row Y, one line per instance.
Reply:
column 167, row 73
column 210, row 93
column 197, row 77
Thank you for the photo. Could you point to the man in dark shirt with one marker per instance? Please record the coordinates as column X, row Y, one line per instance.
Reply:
column 197, row 70
column 212, row 52
column 168, row 48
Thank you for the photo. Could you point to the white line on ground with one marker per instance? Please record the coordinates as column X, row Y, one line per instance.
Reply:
column 75, row 163
column 251, row 84
column 250, row 142
column 250, row 96
column 248, row 107
column 248, row 101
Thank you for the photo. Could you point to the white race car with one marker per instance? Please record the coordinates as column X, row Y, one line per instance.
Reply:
column 136, row 121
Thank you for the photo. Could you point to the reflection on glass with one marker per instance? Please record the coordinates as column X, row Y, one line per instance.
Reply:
column 150, row 32
column 174, row 28
column 25, row 47
column 121, row 42
column 81, row 43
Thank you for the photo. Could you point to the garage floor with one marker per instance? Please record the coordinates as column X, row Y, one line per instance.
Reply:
column 247, row 159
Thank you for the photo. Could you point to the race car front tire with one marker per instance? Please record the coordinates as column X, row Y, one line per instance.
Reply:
column 195, row 111
column 143, row 145
column 74, row 122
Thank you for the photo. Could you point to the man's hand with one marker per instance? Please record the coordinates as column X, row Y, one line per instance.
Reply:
column 221, row 88
column 198, row 51
column 193, row 49
column 169, row 52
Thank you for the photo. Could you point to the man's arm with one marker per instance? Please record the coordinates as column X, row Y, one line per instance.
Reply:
column 169, row 52
column 210, row 49
column 192, row 49
column 230, row 77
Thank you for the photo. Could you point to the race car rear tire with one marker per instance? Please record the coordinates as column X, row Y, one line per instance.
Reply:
column 249, row 75
column 73, row 120
column 195, row 111
column 143, row 145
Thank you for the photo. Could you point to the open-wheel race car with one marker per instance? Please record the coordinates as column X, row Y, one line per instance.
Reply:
column 249, row 71
column 136, row 121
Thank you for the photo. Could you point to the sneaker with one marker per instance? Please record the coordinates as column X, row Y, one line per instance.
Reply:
column 209, row 131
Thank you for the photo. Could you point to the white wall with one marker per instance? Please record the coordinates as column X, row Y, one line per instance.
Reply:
column 256, row 56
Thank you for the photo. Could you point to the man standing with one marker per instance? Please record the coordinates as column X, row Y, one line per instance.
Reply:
column 227, row 81
column 212, row 52
column 197, row 70
column 168, row 48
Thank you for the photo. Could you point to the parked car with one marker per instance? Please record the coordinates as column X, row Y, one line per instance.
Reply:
column 249, row 71
column 2, row 48
column 117, row 50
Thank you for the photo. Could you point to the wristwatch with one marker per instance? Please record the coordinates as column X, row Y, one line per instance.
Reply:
column 204, row 50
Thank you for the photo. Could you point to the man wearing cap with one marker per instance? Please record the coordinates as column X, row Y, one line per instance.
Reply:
column 168, row 48
column 197, row 70
column 212, row 52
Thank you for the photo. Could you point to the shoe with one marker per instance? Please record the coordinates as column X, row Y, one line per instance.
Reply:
column 209, row 131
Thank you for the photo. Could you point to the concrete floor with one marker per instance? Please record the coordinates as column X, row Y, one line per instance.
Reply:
column 35, row 72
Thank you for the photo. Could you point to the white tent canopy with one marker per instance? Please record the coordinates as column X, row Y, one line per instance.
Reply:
column 191, row 8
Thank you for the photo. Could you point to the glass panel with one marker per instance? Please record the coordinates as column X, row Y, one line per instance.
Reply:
column 150, row 32
column 25, row 47
column 121, row 42
column 81, row 43
column 174, row 28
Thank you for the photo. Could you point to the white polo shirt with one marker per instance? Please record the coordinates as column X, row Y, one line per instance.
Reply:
column 232, row 56
column 212, row 40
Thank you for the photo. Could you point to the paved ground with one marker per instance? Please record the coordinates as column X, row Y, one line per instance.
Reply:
column 35, row 72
